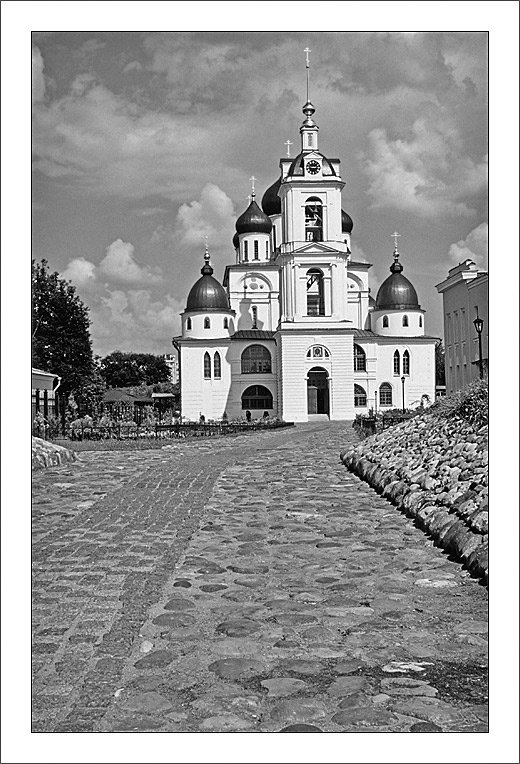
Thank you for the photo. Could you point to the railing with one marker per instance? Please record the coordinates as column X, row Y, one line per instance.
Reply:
column 369, row 425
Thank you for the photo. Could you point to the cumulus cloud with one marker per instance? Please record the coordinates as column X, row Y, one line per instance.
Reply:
column 133, row 66
column 473, row 247
column 424, row 174
column 81, row 272
column 38, row 81
column 119, row 266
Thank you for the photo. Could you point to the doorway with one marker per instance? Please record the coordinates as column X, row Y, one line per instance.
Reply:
column 318, row 391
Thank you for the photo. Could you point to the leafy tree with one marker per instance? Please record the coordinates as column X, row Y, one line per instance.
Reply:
column 133, row 369
column 61, row 336
column 440, row 369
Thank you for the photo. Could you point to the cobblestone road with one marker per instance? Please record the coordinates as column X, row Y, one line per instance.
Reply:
column 248, row 584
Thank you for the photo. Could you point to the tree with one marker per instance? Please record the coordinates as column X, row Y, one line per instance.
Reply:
column 61, row 336
column 440, row 368
column 133, row 369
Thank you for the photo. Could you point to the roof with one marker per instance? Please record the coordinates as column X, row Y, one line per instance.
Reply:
column 368, row 334
column 397, row 292
column 271, row 202
column 298, row 163
column 120, row 395
column 346, row 222
column 163, row 395
column 253, row 220
column 207, row 293
column 44, row 373
column 252, row 334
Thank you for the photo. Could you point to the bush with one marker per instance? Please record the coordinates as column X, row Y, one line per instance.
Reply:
column 470, row 404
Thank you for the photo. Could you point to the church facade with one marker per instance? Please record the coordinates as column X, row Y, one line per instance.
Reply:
column 292, row 330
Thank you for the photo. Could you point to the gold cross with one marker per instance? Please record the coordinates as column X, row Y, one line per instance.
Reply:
column 307, row 51
column 288, row 144
column 395, row 235
column 252, row 179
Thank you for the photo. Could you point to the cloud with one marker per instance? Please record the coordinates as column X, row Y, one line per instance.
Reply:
column 119, row 266
column 81, row 272
column 425, row 174
column 212, row 216
column 473, row 247
column 38, row 81
column 132, row 66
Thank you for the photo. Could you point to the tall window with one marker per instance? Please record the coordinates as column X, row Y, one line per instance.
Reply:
column 385, row 322
column 255, row 245
column 313, row 220
column 405, row 320
column 397, row 363
column 267, row 250
column 315, row 293
column 385, row 394
column 246, row 253
column 207, row 323
column 216, row 365
column 207, row 366
column 188, row 324
column 360, row 396
column 406, row 362
column 256, row 359
column 254, row 310
column 360, row 359
column 226, row 323
column 420, row 320
column 257, row 397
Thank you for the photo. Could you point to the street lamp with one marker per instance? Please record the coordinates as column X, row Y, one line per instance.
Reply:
column 402, row 380
column 479, row 325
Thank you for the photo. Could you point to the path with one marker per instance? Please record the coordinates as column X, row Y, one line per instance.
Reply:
column 245, row 584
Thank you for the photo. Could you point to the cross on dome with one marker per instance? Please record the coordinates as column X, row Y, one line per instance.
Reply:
column 206, row 253
column 288, row 144
column 395, row 235
column 252, row 179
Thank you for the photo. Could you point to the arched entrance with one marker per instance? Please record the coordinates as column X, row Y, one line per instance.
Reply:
column 318, row 391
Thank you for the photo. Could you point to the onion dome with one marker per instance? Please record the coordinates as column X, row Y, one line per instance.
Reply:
column 253, row 220
column 236, row 241
column 271, row 202
column 397, row 293
column 207, row 293
column 347, row 224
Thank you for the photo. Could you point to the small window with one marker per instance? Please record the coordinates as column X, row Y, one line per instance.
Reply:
column 360, row 396
column 267, row 250
column 188, row 324
column 216, row 366
column 318, row 351
column 360, row 359
column 207, row 323
column 385, row 322
column 385, row 394
column 406, row 362
column 226, row 323
column 254, row 310
column 420, row 320
column 246, row 251
column 397, row 363
column 207, row 366
column 405, row 320
column 255, row 245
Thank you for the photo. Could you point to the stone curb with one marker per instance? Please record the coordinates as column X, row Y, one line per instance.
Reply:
column 45, row 454
column 401, row 464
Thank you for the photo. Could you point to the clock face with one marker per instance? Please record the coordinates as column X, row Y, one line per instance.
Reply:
column 313, row 167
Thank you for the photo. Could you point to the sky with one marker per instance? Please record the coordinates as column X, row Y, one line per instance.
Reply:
column 144, row 144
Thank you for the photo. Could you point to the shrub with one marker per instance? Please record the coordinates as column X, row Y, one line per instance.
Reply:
column 470, row 404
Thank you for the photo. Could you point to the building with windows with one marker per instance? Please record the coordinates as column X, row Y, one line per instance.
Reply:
column 465, row 298
column 292, row 329
column 172, row 361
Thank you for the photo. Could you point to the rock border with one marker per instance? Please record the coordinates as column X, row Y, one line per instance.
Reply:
column 417, row 466
column 46, row 454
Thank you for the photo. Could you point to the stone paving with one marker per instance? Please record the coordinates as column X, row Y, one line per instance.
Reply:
column 247, row 584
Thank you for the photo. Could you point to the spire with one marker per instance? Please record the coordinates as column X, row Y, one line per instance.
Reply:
column 206, row 269
column 309, row 128
column 396, row 266
column 252, row 179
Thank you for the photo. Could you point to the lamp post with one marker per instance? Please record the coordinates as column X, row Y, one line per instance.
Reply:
column 402, row 380
column 479, row 325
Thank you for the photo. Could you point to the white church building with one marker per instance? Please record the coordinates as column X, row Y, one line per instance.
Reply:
column 292, row 329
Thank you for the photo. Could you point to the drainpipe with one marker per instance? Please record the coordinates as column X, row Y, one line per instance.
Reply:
column 178, row 349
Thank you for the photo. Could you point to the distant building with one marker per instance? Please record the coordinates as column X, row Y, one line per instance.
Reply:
column 465, row 297
column 172, row 361
column 44, row 387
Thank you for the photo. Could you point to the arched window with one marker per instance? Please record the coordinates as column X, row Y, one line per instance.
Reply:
column 207, row 323
column 397, row 363
column 256, row 359
column 385, row 394
column 257, row 397
column 188, row 324
column 360, row 359
column 313, row 219
column 405, row 320
column 267, row 250
column 216, row 365
column 315, row 293
column 318, row 351
column 385, row 322
column 207, row 366
column 420, row 320
column 406, row 362
column 246, row 255
column 360, row 396
column 255, row 246
column 226, row 323
column 254, row 310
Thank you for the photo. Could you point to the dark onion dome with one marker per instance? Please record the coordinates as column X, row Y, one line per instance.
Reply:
column 371, row 301
column 236, row 241
column 298, row 163
column 347, row 224
column 271, row 202
column 397, row 293
column 207, row 294
column 253, row 220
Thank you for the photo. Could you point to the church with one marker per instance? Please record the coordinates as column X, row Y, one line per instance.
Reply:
column 292, row 330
